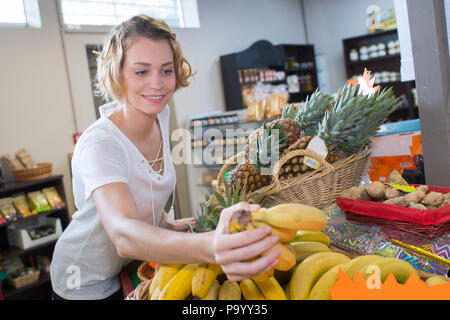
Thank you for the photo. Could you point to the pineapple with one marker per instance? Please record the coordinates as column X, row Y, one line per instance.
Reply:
column 350, row 121
column 355, row 118
column 287, row 125
column 247, row 175
column 312, row 112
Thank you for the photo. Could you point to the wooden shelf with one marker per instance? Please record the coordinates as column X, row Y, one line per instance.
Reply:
column 10, row 293
column 40, row 289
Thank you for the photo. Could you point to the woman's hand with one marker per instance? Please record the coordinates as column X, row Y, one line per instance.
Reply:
column 234, row 251
column 182, row 224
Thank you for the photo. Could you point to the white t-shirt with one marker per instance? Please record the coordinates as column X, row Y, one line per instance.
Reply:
column 85, row 263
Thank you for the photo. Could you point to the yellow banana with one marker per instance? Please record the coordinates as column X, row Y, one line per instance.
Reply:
column 315, row 236
column 292, row 216
column 264, row 276
column 229, row 290
column 360, row 263
column 304, row 249
column 250, row 291
column 310, row 270
column 271, row 289
column 213, row 291
column 204, row 277
column 321, row 289
column 286, row 259
column 283, row 234
column 180, row 285
column 399, row 268
column 166, row 272
column 431, row 281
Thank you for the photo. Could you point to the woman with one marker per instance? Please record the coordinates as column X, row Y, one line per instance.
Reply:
column 123, row 177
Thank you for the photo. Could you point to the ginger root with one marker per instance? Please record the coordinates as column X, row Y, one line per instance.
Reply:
column 417, row 206
column 396, row 177
column 399, row 201
column 355, row 193
column 376, row 190
column 391, row 193
column 416, row 196
column 433, row 199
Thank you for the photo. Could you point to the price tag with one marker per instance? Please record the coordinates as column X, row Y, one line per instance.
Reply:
column 402, row 187
column 318, row 146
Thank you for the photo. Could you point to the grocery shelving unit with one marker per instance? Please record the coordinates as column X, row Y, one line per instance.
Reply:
column 222, row 150
column 389, row 62
column 41, row 289
column 287, row 59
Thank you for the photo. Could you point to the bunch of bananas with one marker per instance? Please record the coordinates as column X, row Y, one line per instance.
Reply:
column 286, row 221
column 316, row 274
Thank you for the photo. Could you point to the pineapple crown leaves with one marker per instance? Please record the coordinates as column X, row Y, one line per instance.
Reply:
column 268, row 145
column 354, row 118
column 211, row 209
column 289, row 112
column 312, row 112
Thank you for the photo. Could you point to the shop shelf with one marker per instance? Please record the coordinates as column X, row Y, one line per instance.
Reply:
column 10, row 293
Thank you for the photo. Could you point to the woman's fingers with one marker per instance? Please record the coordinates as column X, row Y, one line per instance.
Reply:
column 240, row 239
column 246, row 249
column 244, row 270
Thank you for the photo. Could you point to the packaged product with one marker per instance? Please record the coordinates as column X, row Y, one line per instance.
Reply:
column 7, row 208
column 21, row 204
column 38, row 202
column 25, row 158
column 53, row 197
column 12, row 162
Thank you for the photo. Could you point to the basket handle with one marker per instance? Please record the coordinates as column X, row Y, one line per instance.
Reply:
column 324, row 165
column 227, row 165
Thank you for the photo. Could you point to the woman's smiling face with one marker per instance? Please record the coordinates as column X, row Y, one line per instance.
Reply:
column 148, row 75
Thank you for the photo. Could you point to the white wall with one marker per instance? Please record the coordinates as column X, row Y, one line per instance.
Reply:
column 35, row 105
column 330, row 21
column 45, row 100
column 227, row 27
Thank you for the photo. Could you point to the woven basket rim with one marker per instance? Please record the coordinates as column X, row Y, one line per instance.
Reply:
column 277, row 185
column 40, row 166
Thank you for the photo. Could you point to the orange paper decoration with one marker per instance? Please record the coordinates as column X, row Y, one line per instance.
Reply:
column 413, row 289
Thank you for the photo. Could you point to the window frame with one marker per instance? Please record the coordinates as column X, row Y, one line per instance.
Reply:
column 182, row 4
column 32, row 14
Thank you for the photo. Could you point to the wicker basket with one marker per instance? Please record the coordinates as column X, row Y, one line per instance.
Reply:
column 23, row 280
column 43, row 170
column 318, row 188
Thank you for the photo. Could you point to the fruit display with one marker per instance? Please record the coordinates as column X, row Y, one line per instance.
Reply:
column 345, row 121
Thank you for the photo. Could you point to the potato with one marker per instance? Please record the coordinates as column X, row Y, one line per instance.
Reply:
column 355, row 193
column 399, row 201
column 391, row 193
column 396, row 177
column 417, row 206
column 376, row 190
column 433, row 199
column 446, row 196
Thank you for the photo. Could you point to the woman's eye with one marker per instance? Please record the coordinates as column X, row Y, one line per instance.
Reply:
column 167, row 71
column 141, row 73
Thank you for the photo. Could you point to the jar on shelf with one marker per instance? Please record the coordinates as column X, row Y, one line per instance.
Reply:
column 392, row 47
column 354, row 56
column 363, row 53
column 373, row 51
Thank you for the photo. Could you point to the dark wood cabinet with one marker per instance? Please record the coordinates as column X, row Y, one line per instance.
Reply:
column 379, row 52
column 246, row 68
column 41, row 289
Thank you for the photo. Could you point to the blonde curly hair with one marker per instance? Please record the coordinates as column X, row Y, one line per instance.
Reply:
column 111, row 57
